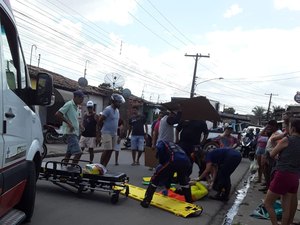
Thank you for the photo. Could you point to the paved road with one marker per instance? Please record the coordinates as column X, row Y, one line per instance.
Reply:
column 55, row 205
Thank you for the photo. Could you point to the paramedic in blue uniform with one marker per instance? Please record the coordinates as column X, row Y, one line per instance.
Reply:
column 171, row 159
column 221, row 163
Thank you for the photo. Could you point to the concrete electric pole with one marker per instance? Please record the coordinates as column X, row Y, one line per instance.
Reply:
column 269, row 106
column 195, row 71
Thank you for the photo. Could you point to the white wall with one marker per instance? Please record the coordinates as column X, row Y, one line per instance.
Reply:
column 98, row 100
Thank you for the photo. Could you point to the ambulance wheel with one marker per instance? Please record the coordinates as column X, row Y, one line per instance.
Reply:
column 28, row 198
column 114, row 198
column 44, row 152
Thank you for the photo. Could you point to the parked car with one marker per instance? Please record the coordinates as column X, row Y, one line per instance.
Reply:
column 210, row 144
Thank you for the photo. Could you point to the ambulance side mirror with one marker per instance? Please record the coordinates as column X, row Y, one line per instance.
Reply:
column 44, row 89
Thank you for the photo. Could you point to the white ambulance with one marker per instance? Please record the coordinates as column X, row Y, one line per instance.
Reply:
column 21, row 135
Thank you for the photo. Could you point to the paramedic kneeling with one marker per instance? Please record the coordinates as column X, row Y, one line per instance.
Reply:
column 171, row 159
column 221, row 163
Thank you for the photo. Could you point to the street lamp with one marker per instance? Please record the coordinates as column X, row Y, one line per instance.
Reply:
column 84, row 74
column 216, row 78
column 31, row 52
column 82, row 81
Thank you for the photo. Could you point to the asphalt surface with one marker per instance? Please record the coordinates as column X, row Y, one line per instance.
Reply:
column 214, row 212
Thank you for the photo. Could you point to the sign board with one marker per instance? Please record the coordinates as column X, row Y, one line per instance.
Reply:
column 297, row 97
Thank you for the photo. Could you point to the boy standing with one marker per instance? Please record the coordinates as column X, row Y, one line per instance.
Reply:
column 88, row 136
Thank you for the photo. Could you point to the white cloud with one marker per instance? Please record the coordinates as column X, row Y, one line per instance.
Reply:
column 233, row 11
column 106, row 10
column 251, row 55
column 293, row 5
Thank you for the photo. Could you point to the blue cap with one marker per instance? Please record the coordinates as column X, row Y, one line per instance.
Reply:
column 78, row 93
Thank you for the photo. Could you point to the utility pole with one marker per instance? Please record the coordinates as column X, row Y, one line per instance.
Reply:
column 121, row 45
column 142, row 96
column 195, row 71
column 39, row 60
column 84, row 73
column 269, row 106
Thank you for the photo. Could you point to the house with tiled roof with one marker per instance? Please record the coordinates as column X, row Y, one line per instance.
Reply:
column 63, row 91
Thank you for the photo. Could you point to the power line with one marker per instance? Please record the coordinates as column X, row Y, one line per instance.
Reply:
column 107, row 58
column 157, row 35
column 182, row 34
column 157, row 21
column 44, row 14
column 90, row 22
column 59, row 8
column 126, row 68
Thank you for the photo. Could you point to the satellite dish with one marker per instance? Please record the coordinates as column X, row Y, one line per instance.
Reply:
column 82, row 82
column 115, row 80
column 126, row 92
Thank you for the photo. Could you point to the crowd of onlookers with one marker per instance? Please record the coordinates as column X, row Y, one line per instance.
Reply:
column 277, row 153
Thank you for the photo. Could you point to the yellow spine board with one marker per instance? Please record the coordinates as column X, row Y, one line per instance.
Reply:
column 172, row 205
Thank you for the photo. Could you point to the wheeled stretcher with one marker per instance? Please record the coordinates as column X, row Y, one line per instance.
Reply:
column 73, row 178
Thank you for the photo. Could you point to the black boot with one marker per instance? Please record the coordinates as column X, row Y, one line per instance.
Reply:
column 187, row 194
column 216, row 196
column 148, row 196
column 178, row 191
column 225, row 194
column 222, row 195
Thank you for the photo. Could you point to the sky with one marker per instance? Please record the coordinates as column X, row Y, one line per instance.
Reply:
column 252, row 45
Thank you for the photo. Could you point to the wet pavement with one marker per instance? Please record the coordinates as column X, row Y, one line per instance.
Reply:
column 251, row 200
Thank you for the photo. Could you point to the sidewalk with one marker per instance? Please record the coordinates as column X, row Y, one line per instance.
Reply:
column 253, row 198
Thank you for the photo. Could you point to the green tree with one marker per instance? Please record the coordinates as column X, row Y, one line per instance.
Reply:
column 229, row 110
column 277, row 112
column 259, row 113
